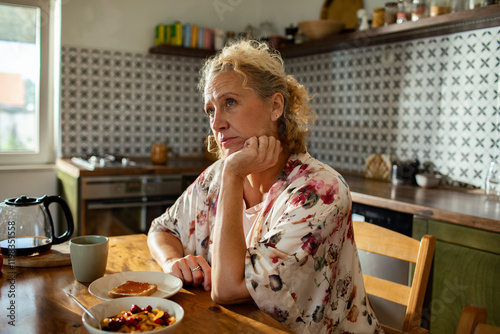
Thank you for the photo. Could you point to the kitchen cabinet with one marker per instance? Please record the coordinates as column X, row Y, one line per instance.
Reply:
column 465, row 270
column 484, row 17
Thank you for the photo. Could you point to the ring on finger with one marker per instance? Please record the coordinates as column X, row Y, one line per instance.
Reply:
column 196, row 268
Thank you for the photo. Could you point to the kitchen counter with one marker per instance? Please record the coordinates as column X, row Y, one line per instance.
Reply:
column 185, row 165
column 463, row 207
column 449, row 204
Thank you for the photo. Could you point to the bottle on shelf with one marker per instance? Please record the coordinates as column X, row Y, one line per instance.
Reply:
column 405, row 8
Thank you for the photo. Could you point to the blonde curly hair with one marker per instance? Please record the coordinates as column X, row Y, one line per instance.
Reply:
column 263, row 71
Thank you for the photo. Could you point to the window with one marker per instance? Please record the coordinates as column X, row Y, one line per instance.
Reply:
column 29, row 80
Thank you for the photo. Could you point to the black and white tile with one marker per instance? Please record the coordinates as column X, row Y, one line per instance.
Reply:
column 434, row 99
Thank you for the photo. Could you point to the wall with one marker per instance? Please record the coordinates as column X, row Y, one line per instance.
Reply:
column 129, row 25
column 27, row 181
column 432, row 99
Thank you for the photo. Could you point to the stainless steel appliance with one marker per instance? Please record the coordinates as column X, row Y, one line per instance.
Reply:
column 118, row 205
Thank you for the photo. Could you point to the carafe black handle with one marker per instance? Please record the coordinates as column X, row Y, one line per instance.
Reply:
column 67, row 214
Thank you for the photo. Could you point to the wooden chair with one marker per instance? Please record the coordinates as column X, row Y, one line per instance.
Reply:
column 379, row 240
column 473, row 321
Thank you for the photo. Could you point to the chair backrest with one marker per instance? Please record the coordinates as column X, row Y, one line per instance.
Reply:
column 473, row 321
column 379, row 240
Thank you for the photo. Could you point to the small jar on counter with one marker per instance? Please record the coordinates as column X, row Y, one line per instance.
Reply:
column 159, row 154
column 391, row 12
column 440, row 7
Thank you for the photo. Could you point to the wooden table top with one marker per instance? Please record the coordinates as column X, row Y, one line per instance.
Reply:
column 38, row 304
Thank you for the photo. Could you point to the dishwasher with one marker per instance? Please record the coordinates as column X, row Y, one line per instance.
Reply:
column 389, row 313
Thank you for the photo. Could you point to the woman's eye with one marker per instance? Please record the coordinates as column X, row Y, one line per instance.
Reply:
column 230, row 102
column 210, row 112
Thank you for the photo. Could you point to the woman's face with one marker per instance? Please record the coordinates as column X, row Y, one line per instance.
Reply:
column 237, row 113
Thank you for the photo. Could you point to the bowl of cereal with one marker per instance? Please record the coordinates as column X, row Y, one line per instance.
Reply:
column 142, row 314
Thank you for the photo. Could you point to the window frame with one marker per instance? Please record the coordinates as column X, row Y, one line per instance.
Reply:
column 49, row 86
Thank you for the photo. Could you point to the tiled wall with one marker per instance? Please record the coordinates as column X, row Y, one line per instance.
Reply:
column 434, row 99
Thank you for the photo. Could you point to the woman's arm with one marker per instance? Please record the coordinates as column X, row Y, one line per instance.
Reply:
column 229, row 246
column 168, row 252
column 229, row 249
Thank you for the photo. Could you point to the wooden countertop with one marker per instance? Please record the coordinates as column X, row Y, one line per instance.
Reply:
column 144, row 166
column 463, row 207
column 459, row 206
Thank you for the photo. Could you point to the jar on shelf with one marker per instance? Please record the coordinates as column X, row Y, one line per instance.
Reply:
column 459, row 5
column 473, row 4
column 391, row 11
column 440, row 7
column 378, row 19
column 419, row 10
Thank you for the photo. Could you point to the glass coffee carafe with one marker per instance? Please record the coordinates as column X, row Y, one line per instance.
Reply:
column 27, row 227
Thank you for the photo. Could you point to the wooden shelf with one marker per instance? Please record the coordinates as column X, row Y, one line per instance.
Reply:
column 181, row 51
column 484, row 17
column 479, row 18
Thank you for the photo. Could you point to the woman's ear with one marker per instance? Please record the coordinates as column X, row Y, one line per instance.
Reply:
column 277, row 105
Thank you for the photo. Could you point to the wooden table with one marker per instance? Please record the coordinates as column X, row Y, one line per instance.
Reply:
column 38, row 302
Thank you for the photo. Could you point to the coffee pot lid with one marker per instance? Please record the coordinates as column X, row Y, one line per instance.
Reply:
column 24, row 201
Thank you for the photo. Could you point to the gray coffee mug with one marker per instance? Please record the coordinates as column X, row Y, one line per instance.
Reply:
column 89, row 256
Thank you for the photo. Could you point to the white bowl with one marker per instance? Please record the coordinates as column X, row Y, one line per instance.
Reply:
column 428, row 180
column 112, row 307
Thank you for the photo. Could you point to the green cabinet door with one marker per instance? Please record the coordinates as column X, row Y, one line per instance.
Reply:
column 466, row 270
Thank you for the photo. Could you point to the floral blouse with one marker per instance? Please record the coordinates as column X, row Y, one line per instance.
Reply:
column 302, row 265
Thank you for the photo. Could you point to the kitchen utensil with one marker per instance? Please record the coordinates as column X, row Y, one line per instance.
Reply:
column 112, row 307
column 85, row 309
column 317, row 29
column 89, row 257
column 27, row 227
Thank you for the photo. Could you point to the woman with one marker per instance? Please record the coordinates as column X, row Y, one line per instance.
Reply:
column 266, row 222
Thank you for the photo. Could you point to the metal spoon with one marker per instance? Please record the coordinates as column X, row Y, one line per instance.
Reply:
column 85, row 309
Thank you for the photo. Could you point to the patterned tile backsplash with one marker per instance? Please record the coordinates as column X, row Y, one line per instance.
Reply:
column 433, row 99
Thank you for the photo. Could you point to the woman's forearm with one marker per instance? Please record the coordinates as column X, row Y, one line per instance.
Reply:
column 229, row 247
column 164, row 247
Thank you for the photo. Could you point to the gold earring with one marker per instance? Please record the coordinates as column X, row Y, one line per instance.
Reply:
column 276, row 116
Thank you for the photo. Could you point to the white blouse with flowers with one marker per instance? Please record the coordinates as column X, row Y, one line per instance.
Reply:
column 302, row 265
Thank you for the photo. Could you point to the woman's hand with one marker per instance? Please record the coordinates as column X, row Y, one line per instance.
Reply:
column 183, row 268
column 257, row 155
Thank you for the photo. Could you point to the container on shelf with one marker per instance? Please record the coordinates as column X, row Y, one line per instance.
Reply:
column 419, row 10
column 440, row 7
column 378, row 19
column 391, row 11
